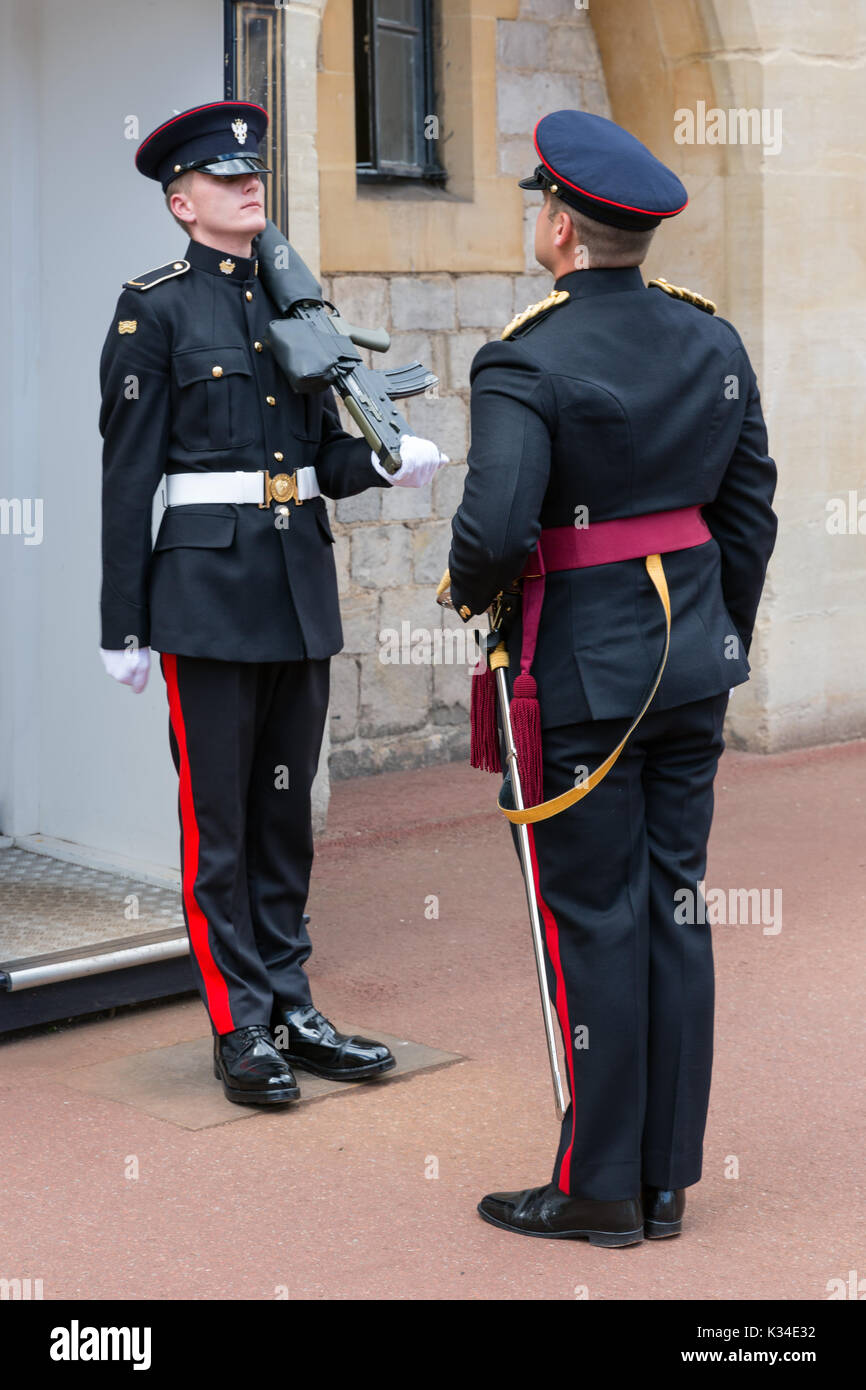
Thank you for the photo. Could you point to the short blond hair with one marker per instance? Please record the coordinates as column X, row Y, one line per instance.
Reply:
column 606, row 246
column 181, row 184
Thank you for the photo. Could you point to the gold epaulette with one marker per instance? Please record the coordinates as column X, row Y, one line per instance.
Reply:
column 550, row 301
column 680, row 292
column 156, row 277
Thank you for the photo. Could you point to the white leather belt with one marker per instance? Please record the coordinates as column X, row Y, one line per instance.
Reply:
column 180, row 489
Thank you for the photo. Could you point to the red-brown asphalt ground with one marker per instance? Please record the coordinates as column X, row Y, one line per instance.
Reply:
column 371, row 1194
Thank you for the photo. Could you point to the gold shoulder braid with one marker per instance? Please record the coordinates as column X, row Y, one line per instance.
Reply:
column 680, row 292
column 550, row 301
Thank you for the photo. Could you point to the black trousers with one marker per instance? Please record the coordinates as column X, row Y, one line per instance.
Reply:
column 632, row 985
column 245, row 738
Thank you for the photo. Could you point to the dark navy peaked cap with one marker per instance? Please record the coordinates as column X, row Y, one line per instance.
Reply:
column 221, row 137
column 604, row 172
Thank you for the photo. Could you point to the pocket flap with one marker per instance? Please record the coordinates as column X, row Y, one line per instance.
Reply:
column 181, row 526
column 210, row 364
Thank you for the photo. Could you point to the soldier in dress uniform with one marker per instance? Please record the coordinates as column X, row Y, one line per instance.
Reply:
column 238, row 593
column 616, row 421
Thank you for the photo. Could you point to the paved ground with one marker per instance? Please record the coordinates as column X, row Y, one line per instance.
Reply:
column 371, row 1192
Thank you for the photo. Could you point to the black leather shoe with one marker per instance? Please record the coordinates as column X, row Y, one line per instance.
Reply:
column 307, row 1040
column 546, row 1211
column 663, row 1209
column 251, row 1069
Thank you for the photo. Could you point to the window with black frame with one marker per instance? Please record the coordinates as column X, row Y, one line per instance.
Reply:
column 395, row 121
column 255, row 71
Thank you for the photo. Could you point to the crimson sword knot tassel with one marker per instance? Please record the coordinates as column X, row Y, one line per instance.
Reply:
column 484, row 741
column 526, row 728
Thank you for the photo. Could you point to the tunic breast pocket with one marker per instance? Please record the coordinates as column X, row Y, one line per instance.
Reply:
column 215, row 406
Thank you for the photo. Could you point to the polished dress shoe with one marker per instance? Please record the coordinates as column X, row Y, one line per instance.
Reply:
column 663, row 1209
column 547, row 1211
column 251, row 1069
column 307, row 1040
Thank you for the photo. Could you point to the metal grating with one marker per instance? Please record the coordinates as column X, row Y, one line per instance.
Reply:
column 49, row 906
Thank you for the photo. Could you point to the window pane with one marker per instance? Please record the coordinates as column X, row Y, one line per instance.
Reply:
column 397, row 78
column 404, row 11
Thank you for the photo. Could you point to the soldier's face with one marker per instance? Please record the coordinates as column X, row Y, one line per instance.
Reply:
column 226, row 205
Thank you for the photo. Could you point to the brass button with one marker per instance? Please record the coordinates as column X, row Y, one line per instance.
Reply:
column 178, row 265
column 249, row 294
column 271, row 400
column 257, row 346
column 465, row 612
column 177, row 168
column 216, row 371
column 278, row 457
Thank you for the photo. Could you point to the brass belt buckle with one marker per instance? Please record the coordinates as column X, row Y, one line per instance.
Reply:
column 283, row 487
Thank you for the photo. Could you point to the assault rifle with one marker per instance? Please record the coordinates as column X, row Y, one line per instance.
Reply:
column 316, row 349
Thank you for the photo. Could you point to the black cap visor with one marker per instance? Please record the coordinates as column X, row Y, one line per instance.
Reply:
column 539, row 180
column 226, row 165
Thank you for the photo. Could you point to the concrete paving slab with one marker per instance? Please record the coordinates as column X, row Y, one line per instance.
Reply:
column 177, row 1083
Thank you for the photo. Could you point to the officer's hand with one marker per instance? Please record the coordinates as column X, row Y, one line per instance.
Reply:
column 421, row 458
column 128, row 667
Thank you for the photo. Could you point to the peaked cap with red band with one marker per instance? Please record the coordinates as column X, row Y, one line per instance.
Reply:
column 604, row 172
column 221, row 137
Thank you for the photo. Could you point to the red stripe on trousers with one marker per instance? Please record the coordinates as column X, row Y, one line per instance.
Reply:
column 551, row 934
column 216, row 989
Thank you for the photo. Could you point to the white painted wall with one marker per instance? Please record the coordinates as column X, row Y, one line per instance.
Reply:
column 83, row 759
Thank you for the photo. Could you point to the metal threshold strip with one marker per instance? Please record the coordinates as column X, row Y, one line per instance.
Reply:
column 30, row 972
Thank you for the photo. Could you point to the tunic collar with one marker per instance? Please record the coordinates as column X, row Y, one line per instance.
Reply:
column 583, row 283
column 220, row 263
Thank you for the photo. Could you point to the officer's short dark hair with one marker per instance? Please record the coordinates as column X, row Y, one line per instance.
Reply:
column 179, row 185
column 605, row 245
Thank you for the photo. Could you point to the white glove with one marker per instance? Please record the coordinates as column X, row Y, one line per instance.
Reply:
column 421, row 458
column 128, row 667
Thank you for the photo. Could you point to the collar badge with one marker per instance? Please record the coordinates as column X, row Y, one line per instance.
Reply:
column 227, row 267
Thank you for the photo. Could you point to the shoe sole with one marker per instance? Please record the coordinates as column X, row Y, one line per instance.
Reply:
column 353, row 1074
column 239, row 1097
column 660, row 1230
column 606, row 1238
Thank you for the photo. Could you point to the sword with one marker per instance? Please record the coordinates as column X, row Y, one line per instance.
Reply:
column 497, row 655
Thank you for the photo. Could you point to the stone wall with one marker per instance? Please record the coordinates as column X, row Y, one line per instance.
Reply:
column 392, row 545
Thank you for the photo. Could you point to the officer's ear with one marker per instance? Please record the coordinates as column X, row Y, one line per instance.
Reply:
column 563, row 225
column 177, row 199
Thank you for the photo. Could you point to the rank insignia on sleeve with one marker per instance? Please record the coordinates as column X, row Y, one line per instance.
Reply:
column 532, row 311
column 127, row 325
column 680, row 292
